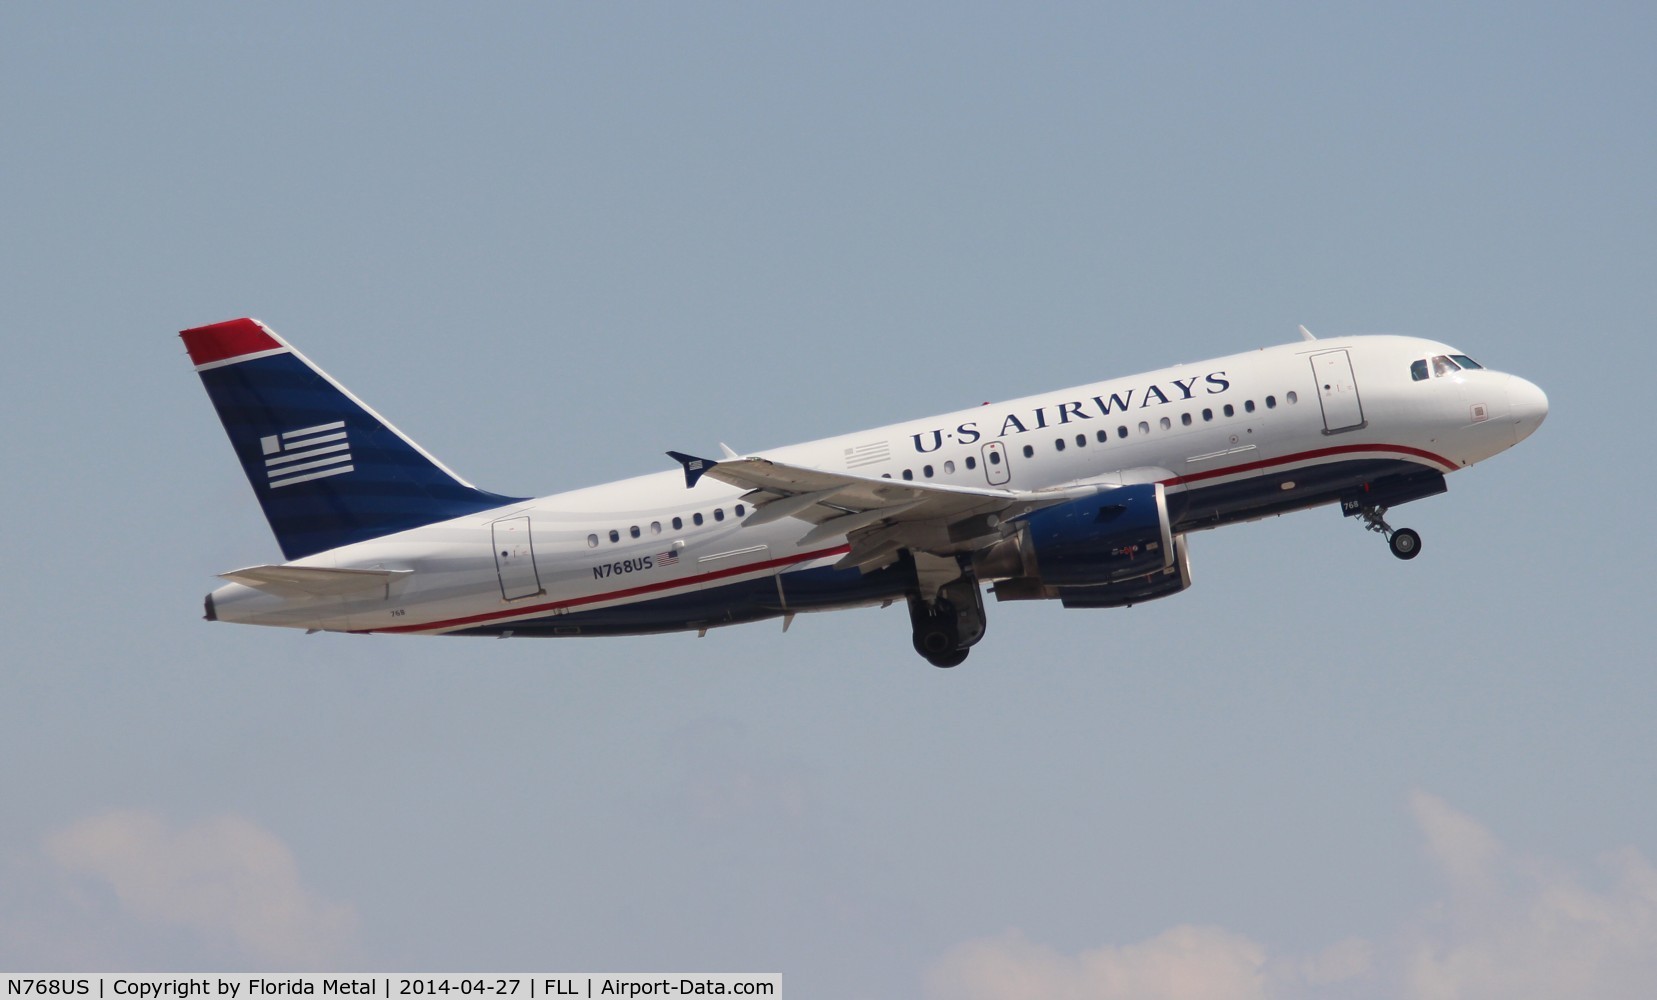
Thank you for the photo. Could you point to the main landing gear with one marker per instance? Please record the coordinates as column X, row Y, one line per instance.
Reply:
column 1404, row 542
column 947, row 626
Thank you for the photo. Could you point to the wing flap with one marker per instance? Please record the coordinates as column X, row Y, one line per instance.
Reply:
column 880, row 516
column 840, row 493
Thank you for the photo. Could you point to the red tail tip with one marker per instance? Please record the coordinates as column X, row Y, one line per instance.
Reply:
column 230, row 339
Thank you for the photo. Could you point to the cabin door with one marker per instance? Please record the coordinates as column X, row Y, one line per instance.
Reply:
column 515, row 559
column 1338, row 392
column 996, row 469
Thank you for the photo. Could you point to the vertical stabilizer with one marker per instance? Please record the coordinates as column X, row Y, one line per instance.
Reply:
column 327, row 469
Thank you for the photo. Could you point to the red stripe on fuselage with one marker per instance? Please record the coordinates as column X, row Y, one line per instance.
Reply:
column 223, row 341
column 1309, row 456
column 663, row 585
column 616, row 595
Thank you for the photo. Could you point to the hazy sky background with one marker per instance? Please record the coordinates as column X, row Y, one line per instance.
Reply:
column 552, row 242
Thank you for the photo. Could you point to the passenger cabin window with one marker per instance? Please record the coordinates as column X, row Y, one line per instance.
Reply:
column 972, row 463
column 592, row 541
column 1029, row 452
column 678, row 523
column 696, row 519
column 1418, row 370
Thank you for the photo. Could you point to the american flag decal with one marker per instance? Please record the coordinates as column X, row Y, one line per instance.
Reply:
column 306, row 454
column 868, row 454
column 668, row 558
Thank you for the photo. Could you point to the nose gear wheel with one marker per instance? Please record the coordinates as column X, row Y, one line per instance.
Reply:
column 1405, row 543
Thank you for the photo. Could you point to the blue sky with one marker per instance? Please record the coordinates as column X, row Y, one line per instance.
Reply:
column 552, row 242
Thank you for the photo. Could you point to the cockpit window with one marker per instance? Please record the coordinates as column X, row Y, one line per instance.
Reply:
column 1443, row 364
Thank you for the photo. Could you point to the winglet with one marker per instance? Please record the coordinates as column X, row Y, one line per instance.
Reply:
column 1306, row 334
column 695, row 467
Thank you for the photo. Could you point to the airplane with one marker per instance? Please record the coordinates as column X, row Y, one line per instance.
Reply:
column 1085, row 496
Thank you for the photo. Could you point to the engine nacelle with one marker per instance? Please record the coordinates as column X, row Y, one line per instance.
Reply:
column 1126, row 593
column 1160, row 582
column 1114, row 535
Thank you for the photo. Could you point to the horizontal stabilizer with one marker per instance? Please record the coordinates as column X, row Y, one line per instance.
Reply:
column 315, row 581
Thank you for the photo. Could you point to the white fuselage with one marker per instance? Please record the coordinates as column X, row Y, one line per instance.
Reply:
column 1230, row 439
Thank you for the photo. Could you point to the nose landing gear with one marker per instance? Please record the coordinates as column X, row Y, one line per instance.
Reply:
column 1404, row 542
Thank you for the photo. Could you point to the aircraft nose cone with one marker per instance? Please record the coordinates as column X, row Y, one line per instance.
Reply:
column 1528, row 404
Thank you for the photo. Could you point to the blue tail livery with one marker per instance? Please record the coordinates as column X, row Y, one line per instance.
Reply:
column 327, row 469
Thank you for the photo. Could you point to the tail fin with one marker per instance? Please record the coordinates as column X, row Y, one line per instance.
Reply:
column 327, row 469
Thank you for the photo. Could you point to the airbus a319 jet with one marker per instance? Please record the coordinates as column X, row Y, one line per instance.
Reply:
column 1085, row 496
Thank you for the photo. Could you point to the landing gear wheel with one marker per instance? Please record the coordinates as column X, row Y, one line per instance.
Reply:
column 936, row 634
column 952, row 658
column 1405, row 543
column 949, row 622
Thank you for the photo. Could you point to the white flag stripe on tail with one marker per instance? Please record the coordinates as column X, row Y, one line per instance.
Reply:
column 315, row 475
column 307, row 442
column 288, row 470
column 318, row 429
column 308, row 453
column 294, row 456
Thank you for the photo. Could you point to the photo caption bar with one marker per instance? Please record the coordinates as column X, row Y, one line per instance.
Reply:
column 400, row 986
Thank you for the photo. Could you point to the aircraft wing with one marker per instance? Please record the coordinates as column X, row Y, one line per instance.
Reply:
column 880, row 516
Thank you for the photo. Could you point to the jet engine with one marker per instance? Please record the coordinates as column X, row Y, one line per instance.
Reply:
column 1109, row 550
column 1116, row 534
column 1126, row 593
